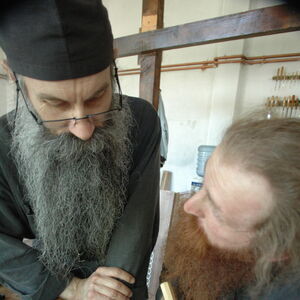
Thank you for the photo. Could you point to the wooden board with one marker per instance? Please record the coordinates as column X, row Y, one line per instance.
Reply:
column 150, row 77
column 258, row 22
column 153, row 11
column 166, row 209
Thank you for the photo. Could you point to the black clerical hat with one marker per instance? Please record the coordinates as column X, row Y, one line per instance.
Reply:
column 56, row 39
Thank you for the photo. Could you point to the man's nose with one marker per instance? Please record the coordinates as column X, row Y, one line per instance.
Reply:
column 194, row 206
column 83, row 129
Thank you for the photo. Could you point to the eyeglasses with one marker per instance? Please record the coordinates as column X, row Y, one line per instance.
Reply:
column 97, row 118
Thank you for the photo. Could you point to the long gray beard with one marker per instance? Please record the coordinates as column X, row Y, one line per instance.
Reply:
column 77, row 189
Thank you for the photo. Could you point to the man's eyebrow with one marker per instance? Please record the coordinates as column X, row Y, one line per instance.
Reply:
column 53, row 98
column 100, row 90
column 43, row 96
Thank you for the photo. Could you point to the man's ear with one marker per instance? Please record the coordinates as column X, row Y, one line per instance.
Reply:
column 7, row 70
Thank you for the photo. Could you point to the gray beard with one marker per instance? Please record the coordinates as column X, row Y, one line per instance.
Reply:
column 77, row 189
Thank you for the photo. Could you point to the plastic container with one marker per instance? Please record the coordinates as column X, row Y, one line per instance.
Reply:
column 196, row 184
column 204, row 152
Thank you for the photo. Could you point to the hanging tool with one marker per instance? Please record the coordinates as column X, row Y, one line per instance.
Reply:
column 277, row 79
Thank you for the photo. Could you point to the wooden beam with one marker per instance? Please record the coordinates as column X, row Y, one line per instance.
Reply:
column 253, row 23
column 151, row 62
column 150, row 77
column 153, row 15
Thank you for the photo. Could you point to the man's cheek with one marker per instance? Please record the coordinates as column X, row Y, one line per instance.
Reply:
column 215, row 233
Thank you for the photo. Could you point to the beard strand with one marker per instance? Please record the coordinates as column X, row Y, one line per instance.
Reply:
column 77, row 189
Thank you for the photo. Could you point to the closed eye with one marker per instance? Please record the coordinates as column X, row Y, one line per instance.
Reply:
column 93, row 100
column 55, row 103
column 215, row 210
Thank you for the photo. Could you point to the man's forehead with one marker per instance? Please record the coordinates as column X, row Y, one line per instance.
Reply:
column 69, row 83
column 65, row 89
column 243, row 197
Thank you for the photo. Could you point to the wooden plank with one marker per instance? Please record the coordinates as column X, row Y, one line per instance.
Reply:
column 165, row 182
column 253, row 23
column 151, row 63
column 167, row 291
column 150, row 77
column 166, row 209
column 153, row 12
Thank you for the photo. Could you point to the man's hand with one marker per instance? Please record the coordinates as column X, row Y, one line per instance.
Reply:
column 103, row 284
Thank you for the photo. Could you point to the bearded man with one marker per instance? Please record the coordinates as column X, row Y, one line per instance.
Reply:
column 239, row 237
column 79, row 162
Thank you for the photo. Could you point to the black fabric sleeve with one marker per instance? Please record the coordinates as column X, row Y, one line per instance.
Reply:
column 21, row 271
column 135, row 236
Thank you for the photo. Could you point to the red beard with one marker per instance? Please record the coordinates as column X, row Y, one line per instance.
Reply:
column 199, row 270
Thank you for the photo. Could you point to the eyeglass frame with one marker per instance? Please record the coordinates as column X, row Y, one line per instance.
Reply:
column 89, row 116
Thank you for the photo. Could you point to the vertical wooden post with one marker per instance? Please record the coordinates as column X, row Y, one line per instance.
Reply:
column 152, row 19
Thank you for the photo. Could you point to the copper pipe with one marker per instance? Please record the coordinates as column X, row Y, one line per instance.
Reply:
column 131, row 73
column 221, row 60
column 258, row 57
column 172, row 69
column 274, row 56
column 230, row 56
column 128, row 70
column 228, row 59
column 213, row 65
column 174, row 65
column 271, row 61
column 232, row 61
column 206, row 62
column 191, row 68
